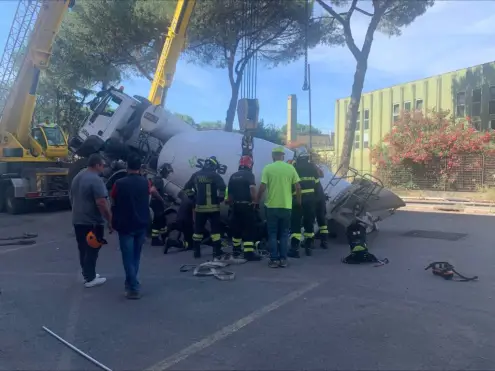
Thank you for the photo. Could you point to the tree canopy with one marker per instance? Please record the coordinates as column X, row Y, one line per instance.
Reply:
column 302, row 129
column 387, row 16
column 223, row 35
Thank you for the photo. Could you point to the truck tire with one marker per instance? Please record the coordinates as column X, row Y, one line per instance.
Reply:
column 14, row 205
column 75, row 168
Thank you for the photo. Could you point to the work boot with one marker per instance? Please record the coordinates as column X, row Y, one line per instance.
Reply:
column 236, row 252
column 155, row 241
column 324, row 243
column 308, row 246
column 294, row 249
column 197, row 249
column 251, row 256
column 217, row 251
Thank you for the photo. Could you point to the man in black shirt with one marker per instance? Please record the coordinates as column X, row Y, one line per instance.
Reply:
column 207, row 188
column 304, row 214
column 241, row 195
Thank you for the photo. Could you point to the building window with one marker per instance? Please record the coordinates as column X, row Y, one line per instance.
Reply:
column 366, row 140
column 492, row 124
column 366, row 119
column 357, row 141
column 396, row 112
column 460, row 110
column 358, row 121
column 491, row 103
column 476, row 103
column 419, row 104
column 407, row 106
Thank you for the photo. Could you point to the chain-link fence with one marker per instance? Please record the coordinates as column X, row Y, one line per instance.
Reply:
column 473, row 173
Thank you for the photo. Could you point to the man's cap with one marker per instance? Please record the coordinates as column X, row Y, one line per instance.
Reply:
column 278, row 149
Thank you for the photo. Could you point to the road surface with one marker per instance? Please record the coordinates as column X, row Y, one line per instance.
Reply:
column 316, row 314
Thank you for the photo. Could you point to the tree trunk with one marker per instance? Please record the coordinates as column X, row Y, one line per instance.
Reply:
column 352, row 110
column 231, row 111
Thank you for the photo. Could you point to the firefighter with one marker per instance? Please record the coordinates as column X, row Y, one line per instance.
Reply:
column 241, row 197
column 207, row 188
column 305, row 213
column 321, row 210
column 157, row 204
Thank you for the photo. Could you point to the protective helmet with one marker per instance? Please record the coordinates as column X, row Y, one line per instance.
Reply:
column 211, row 163
column 246, row 162
column 303, row 157
column 278, row 149
column 94, row 241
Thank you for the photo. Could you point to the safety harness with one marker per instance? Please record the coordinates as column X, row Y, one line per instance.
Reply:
column 447, row 271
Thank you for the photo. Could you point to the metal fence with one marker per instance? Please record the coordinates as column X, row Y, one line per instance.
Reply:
column 474, row 173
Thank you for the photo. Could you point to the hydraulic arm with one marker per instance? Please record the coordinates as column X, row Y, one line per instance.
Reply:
column 15, row 123
column 174, row 43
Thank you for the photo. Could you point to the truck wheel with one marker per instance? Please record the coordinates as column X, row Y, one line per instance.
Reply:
column 75, row 168
column 14, row 205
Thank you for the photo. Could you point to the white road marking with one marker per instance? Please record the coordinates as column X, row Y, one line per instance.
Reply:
column 230, row 329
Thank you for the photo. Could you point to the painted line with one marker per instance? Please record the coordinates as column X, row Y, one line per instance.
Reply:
column 31, row 246
column 230, row 329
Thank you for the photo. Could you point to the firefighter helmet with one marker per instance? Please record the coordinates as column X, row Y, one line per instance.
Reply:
column 246, row 162
column 211, row 163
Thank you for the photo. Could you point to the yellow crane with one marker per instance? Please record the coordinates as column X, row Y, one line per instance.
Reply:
column 174, row 43
column 29, row 168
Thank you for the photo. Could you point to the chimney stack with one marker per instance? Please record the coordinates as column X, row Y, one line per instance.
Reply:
column 291, row 118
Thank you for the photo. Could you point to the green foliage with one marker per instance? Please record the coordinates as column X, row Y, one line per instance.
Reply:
column 269, row 133
column 302, row 129
column 222, row 35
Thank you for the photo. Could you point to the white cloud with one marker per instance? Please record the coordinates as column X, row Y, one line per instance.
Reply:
column 449, row 36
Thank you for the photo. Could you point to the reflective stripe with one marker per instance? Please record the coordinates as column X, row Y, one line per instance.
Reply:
column 236, row 242
column 309, row 235
column 215, row 237
column 307, row 190
column 322, row 227
column 163, row 230
column 249, row 249
column 207, row 208
column 323, row 231
column 226, row 193
column 155, row 233
column 358, row 248
column 317, row 181
column 197, row 237
column 296, row 236
column 248, row 244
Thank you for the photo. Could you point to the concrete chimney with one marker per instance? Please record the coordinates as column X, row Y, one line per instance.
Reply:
column 291, row 118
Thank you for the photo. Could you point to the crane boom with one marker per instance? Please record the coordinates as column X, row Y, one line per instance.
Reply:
column 19, row 108
column 176, row 38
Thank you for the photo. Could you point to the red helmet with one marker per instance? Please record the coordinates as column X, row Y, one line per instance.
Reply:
column 246, row 161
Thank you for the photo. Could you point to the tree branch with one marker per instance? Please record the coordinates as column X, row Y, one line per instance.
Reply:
column 351, row 10
column 330, row 10
column 364, row 12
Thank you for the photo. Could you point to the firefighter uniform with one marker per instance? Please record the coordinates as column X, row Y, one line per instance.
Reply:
column 243, row 215
column 159, row 225
column 321, row 214
column 207, row 188
column 304, row 214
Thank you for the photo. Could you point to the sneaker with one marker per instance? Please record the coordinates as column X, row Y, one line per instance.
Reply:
column 133, row 295
column 274, row 264
column 84, row 280
column 96, row 282
column 283, row 263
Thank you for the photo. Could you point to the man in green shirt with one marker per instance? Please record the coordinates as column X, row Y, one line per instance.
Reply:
column 278, row 178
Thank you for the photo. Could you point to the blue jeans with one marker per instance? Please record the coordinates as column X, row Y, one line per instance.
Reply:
column 130, row 246
column 278, row 224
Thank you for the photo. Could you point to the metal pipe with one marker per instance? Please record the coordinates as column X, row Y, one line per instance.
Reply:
column 89, row 358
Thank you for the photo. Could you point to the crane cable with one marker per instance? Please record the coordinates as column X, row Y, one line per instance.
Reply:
column 306, row 47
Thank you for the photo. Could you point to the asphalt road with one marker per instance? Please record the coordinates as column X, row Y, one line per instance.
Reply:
column 316, row 314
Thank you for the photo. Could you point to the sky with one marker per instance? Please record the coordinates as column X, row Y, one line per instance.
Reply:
column 449, row 36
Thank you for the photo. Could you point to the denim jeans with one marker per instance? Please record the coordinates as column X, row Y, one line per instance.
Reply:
column 130, row 246
column 278, row 223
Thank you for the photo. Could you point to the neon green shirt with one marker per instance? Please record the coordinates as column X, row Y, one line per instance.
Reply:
column 279, row 177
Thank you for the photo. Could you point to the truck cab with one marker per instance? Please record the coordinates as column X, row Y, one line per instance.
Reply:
column 49, row 140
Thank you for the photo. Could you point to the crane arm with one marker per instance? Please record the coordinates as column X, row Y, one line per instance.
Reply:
column 174, row 43
column 19, row 108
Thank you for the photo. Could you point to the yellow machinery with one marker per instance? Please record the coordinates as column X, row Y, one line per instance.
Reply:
column 29, row 166
column 175, row 42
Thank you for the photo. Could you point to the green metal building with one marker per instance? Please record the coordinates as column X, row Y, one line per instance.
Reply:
column 465, row 92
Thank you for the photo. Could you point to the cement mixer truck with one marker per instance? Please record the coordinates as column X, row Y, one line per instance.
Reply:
column 120, row 124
